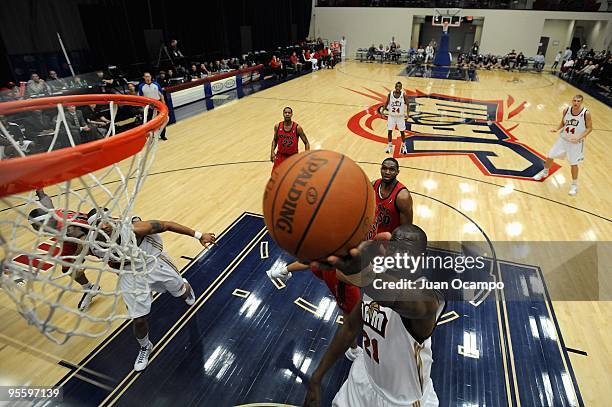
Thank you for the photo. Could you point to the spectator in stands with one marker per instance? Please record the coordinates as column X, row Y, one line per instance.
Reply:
column 480, row 60
column 556, row 63
column 392, row 44
column 96, row 121
column 429, row 53
column 331, row 62
column 132, row 89
column 217, row 66
column 582, row 52
column 567, row 55
column 224, row 66
column 9, row 92
column 56, row 83
column 77, row 125
column 320, row 44
column 313, row 61
column 105, row 82
column 277, row 67
column 36, row 86
column 475, row 48
column 161, row 79
column 175, row 54
column 587, row 71
column 77, row 82
column 193, row 73
column 295, row 63
column 152, row 90
column 233, row 64
column 204, row 72
column 371, row 53
column 521, row 62
column 567, row 66
column 538, row 62
column 510, row 60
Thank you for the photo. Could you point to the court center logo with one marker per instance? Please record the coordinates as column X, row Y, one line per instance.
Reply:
column 440, row 125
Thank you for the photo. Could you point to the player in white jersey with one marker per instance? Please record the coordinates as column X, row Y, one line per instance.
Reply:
column 396, row 104
column 146, row 274
column 394, row 369
column 575, row 126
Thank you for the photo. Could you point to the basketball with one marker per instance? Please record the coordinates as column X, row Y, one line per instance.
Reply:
column 318, row 203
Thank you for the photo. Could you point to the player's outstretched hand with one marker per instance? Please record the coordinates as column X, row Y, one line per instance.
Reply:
column 357, row 258
column 313, row 395
column 208, row 238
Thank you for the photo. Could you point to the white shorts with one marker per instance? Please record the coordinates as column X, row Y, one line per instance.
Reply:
column 400, row 121
column 563, row 148
column 357, row 391
column 136, row 288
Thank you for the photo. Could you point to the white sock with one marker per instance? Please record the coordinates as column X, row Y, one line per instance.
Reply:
column 545, row 171
column 143, row 341
column 87, row 286
column 575, row 182
column 285, row 272
column 390, row 144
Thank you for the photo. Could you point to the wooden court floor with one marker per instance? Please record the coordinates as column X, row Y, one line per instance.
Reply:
column 215, row 165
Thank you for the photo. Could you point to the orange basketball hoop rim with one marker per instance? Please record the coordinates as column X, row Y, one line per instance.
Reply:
column 36, row 171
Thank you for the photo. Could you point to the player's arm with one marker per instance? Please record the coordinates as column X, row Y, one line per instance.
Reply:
column 406, row 105
column 302, row 135
column 274, row 142
column 561, row 123
column 403, row 201
column 297, row 266
column 152, row 227
column 589, row 125
column 385, row 107
column 344, row 338
column 44, row 199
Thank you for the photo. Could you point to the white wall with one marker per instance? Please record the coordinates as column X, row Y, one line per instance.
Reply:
column 558, row 31
column 595, row 32
column 503, row 30
column 364, row 26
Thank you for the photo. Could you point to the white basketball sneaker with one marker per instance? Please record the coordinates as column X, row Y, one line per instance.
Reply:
column 143, row 357
column 389, row 149
column 352, row 353
column 403, row 149
column 540, row 175
column 573, row 190
column 190, row 300
column 280, row 273
column 88, row 296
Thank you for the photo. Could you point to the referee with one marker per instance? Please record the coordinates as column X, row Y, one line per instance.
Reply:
column 151, row 89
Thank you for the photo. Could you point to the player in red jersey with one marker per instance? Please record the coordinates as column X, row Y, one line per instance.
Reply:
column 393, row 200
column 286, row 135
column 346, row 295
column 69, row 250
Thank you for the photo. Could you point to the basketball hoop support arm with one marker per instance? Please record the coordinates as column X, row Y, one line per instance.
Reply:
column 59, row 38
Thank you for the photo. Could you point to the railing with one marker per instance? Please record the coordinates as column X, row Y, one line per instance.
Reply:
column 551, row 5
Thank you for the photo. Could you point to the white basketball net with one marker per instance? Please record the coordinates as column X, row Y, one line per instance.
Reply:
column 38, row 272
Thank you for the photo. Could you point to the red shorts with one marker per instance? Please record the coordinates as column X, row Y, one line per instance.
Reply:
column 347, row 296
column 279, row 158
column 68, row 249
